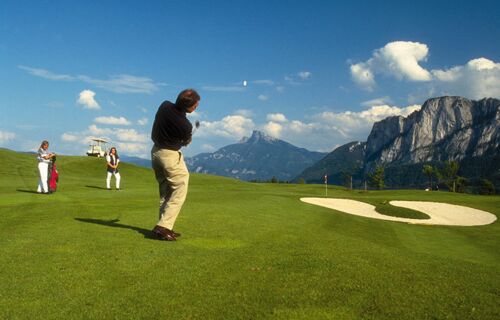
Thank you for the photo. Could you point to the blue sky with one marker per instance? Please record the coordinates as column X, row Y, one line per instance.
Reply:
column 318, row 73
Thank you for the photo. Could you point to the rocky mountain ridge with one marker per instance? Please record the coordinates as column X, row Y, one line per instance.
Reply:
column 445, row 128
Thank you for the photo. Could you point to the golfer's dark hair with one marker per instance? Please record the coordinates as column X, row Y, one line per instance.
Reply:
column 187, row 98
column 44, row 142
column 116, row 152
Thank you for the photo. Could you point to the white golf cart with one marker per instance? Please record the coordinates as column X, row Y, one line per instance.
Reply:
column 97, row 148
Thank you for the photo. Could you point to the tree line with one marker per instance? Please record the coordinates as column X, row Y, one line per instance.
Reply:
column 443, row 174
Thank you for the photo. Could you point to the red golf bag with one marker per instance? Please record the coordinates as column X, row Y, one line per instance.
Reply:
column 53, row 176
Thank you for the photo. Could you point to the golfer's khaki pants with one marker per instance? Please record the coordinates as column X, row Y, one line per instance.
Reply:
column 173, row 178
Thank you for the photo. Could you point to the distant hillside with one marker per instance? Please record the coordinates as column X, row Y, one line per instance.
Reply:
column 137, row 161
column 259, row 157
column 344, row 160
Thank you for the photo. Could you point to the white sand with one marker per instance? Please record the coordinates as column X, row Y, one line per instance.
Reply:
column 440, row 213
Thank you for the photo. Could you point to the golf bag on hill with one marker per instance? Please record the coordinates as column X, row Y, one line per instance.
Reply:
column 53, row 176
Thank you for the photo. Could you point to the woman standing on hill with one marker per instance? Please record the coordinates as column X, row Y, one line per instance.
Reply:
column 113, row 160
column 43, row 158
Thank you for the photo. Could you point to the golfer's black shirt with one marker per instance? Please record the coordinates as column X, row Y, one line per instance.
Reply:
column 171, row 129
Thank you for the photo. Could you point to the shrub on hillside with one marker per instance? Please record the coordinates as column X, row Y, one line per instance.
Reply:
column 486, row 187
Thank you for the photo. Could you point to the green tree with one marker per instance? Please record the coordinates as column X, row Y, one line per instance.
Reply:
column 347, row 178
column 461, row 184
column 486, row 187
column 377, row 177
column 274, row 180
column 301, row 181
column 448, row 174
column 428, row 170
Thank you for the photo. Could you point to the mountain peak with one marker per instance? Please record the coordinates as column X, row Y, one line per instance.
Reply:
column 258, row 136
column 258, row 157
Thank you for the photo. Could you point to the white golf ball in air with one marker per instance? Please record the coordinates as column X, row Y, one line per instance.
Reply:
column 244, row 83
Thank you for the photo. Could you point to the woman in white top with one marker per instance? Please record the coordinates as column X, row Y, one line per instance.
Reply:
column 113, row 160
column 43, row 158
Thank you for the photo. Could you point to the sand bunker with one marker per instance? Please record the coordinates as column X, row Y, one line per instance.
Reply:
column 440, row 213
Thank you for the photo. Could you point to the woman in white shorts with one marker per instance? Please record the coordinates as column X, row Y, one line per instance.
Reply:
column 43, row 158
column 113, row 160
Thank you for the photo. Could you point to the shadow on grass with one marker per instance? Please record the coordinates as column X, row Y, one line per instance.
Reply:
column 96, row 187
column 148, row 234
column 27, row 191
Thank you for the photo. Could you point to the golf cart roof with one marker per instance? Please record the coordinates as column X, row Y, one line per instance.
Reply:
column 99, row 140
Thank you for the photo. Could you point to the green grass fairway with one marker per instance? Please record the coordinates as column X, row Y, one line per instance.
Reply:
column 247, row 251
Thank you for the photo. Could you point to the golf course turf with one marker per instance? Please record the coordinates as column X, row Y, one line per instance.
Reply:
column 247, row 251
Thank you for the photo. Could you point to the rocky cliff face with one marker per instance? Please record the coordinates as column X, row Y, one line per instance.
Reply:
column 445, row 128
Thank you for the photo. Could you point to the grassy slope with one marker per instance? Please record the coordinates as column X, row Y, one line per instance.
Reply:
column 247, row 251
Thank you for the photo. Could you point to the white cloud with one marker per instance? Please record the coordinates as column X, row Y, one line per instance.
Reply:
column 70, row 137
column 321, row 131
column 280, row 89
column 122, row 83
column 46, row 74
column 399, row 59
column 263, row 97
column 142, row 121
column 86, row 99
column 206, row 147
column 273, row 129
column 376, row 102
column 276, row 117
column 6, row 136
column 300, row 127
column 326, row 129
column 449, row 75
column 244, row 112
column 363, row 76
column 124, row 135
column 477, row 79
column 297, row 78
column 482, row 64
column 130, row 135
column 304, row 75
column 194, row 114
column 113, row 121
column 377, row 113
column 128, row 141
column 232, row 127
column 137, row 149
column 263, row 82
column 95, row 130
column 352, row 121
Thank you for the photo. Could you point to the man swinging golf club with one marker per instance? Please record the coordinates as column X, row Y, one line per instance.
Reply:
column 171, row 131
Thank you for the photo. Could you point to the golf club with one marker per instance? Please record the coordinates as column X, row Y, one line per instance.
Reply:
column 196, row 126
